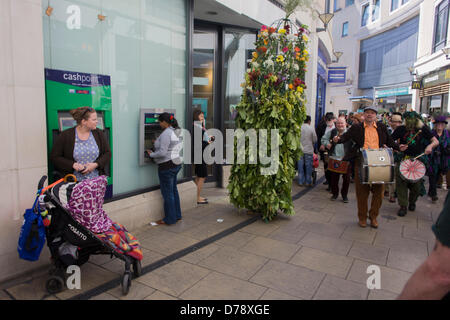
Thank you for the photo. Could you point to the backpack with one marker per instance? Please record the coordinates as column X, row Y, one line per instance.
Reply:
column 32, row 234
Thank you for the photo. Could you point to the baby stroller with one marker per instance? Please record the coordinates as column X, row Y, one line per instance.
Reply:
column 71, row 243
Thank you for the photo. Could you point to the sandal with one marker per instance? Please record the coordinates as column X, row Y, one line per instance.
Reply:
column 202, row 202
column 160, row 222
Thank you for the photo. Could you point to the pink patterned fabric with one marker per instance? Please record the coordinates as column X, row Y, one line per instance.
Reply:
column 86, row 204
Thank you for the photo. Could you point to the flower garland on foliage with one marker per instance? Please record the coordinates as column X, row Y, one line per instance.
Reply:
column 273, row 98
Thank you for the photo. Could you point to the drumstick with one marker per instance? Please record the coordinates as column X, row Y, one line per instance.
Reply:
column 419, row 156
column 414, row 137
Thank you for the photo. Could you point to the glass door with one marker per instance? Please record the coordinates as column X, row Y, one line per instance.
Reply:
column 204, row 57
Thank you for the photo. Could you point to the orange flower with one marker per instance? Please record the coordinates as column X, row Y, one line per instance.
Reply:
column 297, row 49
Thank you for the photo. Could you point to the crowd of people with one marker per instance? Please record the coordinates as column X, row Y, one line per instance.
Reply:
column 340, row 142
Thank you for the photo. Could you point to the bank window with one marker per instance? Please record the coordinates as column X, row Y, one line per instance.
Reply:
column 349, row 2
column 375, row 10
column 364, row 14
column 441, row 25
column 394, row 5
column 345, row 29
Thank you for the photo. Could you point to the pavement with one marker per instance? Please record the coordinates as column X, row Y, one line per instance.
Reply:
column 218, row 252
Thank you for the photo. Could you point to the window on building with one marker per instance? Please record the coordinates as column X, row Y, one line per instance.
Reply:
column 336, row 6
column 375, row 10
column 441, row 25
column 349, row 2
column 364, row 14
column 345, row 29
column 327, row 6
column 404, row 1
column 362, row 62
column 394, row 4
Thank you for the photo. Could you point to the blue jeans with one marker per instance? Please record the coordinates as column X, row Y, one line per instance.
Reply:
column 305, row 176
column 169, row 191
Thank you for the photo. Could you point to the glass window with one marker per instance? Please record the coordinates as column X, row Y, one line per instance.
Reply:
column 364, row 15
column 349, row 2
column 362, row 62
column 239, row 46
column 404, row 1
column 375, row 10
column 336, row 6
column 441, row 25
column 394, row 4
column 141, row 45
column 345, row 29
column 327, row 6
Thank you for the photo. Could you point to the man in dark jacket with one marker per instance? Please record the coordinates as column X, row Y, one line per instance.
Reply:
column 367, row 135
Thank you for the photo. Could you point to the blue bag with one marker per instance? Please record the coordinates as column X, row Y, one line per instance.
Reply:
column 32, row 235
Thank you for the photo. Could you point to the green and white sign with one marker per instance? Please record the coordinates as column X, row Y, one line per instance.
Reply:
column 400, row 91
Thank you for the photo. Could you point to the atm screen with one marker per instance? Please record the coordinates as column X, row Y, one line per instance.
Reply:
column 66, row 121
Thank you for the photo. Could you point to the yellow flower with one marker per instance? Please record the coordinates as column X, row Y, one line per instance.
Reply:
column 305, row 52
column 280, row 58
column 300, row 89
column 302, row 59
column 255, row 54
column 283, row 31
column 305, row 38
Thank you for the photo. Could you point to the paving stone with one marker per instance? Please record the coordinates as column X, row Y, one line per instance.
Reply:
column 368, row 252
column 288, row 234
column 234, row 263
column 386, row 239
column 418, row 234
column 218, row 286
column 158, row 295
column 392, row 280
column 200, row 254
column 118, row 266
column 260, row 228
column 357, row 233
column 290, row 279
column 407, row 261
column 270, row 248
column 271, row 294
column 92, row 276
column 138, row 291
column 237, row 239
column 381, row 295
column 4, row 296
column 174, row 278
column 322, row 261
column 166, row 243
column 104, row 296
column 325, row 243
column 207, row 230
column 335, row 288
column 31, row 290
column 314, row 216
column 326, row 229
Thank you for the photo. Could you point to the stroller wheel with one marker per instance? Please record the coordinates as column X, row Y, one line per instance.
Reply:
column 137, row 268
column 54, row 284
column 126, row 283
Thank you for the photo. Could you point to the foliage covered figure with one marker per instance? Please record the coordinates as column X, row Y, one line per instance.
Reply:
column 273, row 98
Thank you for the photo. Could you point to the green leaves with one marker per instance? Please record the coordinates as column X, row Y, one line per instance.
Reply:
column 272, row 98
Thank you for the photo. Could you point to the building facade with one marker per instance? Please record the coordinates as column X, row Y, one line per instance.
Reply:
column 379, row 41
column 164, row 55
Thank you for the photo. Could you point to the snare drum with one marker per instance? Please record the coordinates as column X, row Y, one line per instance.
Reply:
column 377, row 166
column 338, row 166
column 412, row 170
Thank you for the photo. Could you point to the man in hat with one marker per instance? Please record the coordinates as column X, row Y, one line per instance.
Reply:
column 416, row 140
column 367, row 135
column 439, row 159
column 395, row 121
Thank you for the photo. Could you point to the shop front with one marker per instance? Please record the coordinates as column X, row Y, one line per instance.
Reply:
column 394, row 98
column 434, row 93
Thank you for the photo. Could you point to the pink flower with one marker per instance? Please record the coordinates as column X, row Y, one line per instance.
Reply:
column 285, row 49
column 263, row 28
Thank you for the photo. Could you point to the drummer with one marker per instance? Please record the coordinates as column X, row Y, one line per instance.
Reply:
column 415, row 138
column 337, row 153
column 367, row 135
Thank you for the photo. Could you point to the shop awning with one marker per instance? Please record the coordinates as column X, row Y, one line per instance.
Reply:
column 366, row 99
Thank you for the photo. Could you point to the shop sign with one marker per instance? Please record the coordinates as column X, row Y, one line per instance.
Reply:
column 401, row 91
column 336, row 75
column 437, row 78
column 416, row 85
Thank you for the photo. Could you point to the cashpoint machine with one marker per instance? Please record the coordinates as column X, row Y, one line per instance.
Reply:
column 67, row 90
column 149, row 131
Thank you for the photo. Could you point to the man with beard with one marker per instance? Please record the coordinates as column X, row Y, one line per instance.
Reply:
column 415, row 138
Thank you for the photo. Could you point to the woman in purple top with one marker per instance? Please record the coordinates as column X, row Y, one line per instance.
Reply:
column 439, row 159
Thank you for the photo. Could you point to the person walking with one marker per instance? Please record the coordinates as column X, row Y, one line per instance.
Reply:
column 439, row 159
column 395, row 121
column 323, row 128
column 167, row 156
column 201, row 170
column 367, row 135
column 337, row 166
column 305, row 164
column 82, row 150
column 416, row 140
